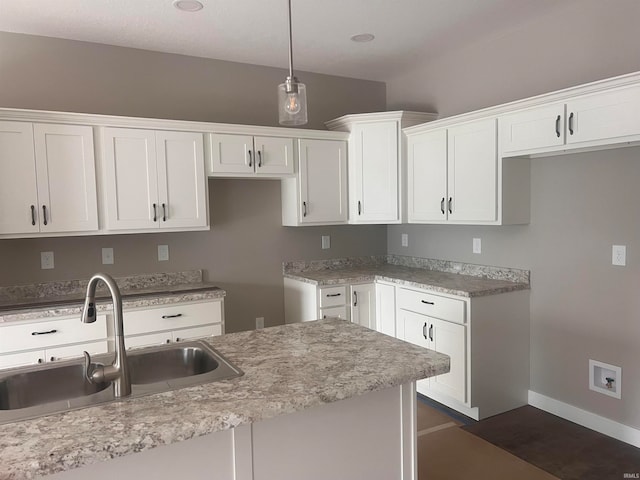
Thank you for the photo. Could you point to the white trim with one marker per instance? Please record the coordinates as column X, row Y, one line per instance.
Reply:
column 345, row 122
column 608, row 427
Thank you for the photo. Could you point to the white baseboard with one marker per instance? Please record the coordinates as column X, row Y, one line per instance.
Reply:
column 590, row 420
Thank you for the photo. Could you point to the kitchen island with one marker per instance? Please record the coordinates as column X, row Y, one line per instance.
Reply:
column 324, row 399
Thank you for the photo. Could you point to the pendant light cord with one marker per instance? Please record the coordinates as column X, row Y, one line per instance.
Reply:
column 290, row 44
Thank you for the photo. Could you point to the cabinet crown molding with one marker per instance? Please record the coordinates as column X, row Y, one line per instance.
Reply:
column 406, row 119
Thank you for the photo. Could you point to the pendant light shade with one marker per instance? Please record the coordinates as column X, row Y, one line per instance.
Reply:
column 292, row 95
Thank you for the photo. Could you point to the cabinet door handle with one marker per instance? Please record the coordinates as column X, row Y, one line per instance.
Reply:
column 40, row 360
column 355, row 299
column 33, row 215
column 428, row 303
column 172, row 316
column 450, row 204
column 359, row 207
column 442, row 205
column 304, row 207
column 250, row 158
column 177, row 339
column 431, row 332
column 44, row 333
column 164, row 212
column 558, row 126
column 259, row 158
column 155, row 214
column 44, row 214
column 52, row 359
column 424, row 331
column 333, row 294
column 168, row 340
column 571, row 123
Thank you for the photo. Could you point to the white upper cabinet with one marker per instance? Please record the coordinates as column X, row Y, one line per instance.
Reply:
column 318, row 194
column 377, row 163
column 247, row 155
column 453, row 174
column 540, row 127
column 154, row 180
column 47, row 179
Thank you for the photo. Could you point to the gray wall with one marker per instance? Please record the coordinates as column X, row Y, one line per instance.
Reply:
column 246, row 245
column 582, row 307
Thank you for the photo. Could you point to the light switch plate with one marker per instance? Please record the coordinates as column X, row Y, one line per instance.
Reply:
column 405, row 239
column 107, row 256
column 619, row 255
column 163, row 253
column 477, row 245
column 326, row 242
column 46, row 260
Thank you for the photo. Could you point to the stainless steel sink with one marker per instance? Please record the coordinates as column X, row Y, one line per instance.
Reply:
column 30, row 392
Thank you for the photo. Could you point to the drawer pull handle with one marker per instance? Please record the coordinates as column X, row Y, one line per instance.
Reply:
column 333, row 294
column 431, row 332
column 172, row 316
column 424, row 330
column 44, row 333
column 427, row 303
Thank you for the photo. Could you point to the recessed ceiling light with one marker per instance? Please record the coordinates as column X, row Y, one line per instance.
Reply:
column 363, row 37
column 188, row 5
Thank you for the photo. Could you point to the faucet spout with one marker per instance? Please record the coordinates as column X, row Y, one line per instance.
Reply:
column 118, row 371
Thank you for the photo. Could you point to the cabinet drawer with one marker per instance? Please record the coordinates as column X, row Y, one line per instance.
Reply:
column 172, row 317
column 22, row 359
column 332, row 296
column 340, row 312
column 75, row 351
column 151, row 339
column 437, row 306
column 59, row 331
column 197, row 332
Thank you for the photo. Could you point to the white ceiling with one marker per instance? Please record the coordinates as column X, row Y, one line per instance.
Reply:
column 255, row 31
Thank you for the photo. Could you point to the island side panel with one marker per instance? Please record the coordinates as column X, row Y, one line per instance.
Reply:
column 300, row 301
column 370, row 436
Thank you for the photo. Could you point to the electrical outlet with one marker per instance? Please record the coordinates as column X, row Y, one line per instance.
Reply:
column 163, row 253
column 405, row 239
column 619, row 255
column 46, row 260
column 107, row 256
column 477, row 245
column 326, row 242
column 259, row 323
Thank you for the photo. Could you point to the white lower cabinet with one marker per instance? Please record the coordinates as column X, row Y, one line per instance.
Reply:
column 386, row 308
column 363, row 304
column 49, row 340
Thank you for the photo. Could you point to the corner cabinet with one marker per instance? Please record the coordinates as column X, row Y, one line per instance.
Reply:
column 247, row 155
column 377, row 163
column 317, row 195
column 154, row 180
column 38, row 162
column 456, row 176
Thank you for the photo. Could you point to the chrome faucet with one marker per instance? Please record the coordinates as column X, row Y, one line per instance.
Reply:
column 118, row 371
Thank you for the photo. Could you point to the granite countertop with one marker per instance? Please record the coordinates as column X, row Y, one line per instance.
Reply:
column 472, row 283
column 30, row 302
column 286, row 369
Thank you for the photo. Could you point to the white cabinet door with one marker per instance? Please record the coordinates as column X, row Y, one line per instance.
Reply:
column 363, row 305
column 65, row 166
column 601, row 116
column 473, row 172
column 22, row 359
column 131, row 179
column 273, row 155
column 427, row 177
column 55, row 354
column 19, row 207
column 323, row 181
column 373, row 173
column 182, row 187
column 385, row 320
column 231, row 153
column 539, row 127
column 449, row 338
column 416, row 328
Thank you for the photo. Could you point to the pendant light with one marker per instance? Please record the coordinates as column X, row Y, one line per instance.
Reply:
column 292, row 95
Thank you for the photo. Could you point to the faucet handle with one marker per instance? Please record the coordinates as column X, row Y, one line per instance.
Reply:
column 88, row 370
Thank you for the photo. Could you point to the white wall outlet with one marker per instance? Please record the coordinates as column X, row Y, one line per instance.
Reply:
column 619, row 255
column 326, row 242
column 405, row 239
column 163, row 253
column 477, row 245
column 46, row 260
column 259, row 323
column 107, row 256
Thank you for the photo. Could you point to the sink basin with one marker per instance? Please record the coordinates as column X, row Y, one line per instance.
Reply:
column 30, row 392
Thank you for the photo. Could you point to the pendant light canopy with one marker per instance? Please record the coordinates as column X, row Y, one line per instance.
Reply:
column 292, row 95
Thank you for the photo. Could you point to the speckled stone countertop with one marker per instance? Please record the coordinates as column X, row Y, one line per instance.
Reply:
column 461, row 279
column 286, row 369
column 45, row 300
